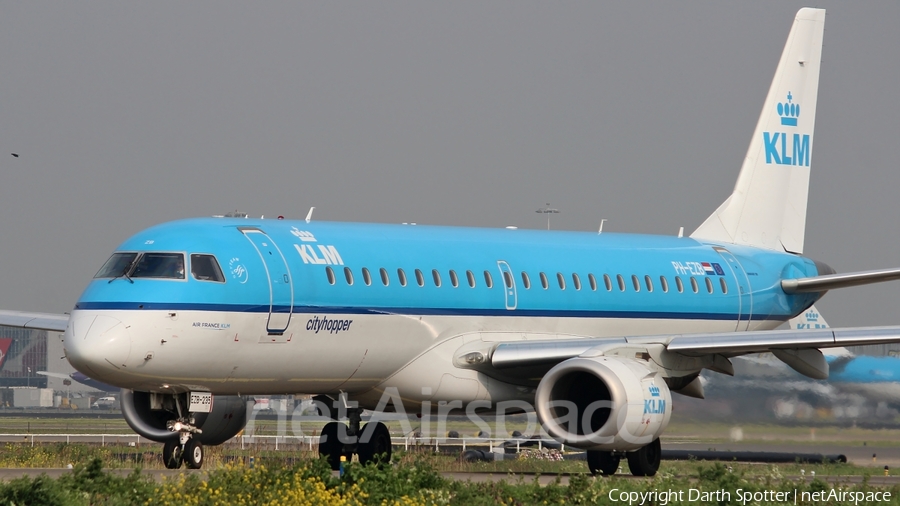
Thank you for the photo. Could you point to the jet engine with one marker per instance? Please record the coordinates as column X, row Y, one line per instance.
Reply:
column 148, row 414
column 603, row 403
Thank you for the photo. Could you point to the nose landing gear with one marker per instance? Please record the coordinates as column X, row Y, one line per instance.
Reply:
column 186, row 449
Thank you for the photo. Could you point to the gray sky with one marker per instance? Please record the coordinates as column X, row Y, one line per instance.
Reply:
column 463, row 113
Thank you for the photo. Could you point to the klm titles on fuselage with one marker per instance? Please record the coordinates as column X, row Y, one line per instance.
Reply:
column 310, row 255
column 776, row 144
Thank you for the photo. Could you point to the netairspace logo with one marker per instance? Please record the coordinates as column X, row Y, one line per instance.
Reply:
column 777, row 143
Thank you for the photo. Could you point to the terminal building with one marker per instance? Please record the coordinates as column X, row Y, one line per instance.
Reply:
column 35, row 359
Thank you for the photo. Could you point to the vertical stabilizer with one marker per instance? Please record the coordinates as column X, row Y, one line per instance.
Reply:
column 768, row 206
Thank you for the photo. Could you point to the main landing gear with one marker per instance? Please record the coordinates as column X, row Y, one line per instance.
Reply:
column 371, row 444
column 642, row 462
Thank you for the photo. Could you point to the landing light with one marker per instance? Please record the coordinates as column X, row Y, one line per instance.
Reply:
column 475, row 357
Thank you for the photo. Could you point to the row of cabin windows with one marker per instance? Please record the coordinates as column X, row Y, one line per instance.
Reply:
column 620, row 282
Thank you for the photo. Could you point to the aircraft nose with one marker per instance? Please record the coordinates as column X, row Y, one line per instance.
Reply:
column 97, row 345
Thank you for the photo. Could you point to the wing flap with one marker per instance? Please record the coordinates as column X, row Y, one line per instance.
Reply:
column 40, row 321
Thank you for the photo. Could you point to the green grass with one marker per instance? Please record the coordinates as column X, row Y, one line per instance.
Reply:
column 414, row 479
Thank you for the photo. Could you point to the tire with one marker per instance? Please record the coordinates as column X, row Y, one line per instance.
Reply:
column 329, row 446
column 378, row 448
column 172, row 454
column 193, row 454
column 645, row 461
column 603, row 463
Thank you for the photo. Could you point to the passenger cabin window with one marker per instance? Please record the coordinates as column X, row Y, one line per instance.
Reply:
column 206, row 268
column 724, row 285
column 649, row 283
column 709, row 285
column 507, row 278
column 367, row 278
column 401, row 276
column 561, row 280
column 607, row 282
column 471, row 278
column 384, row 277
column 330, row 273
column 348, row 275
column 576, row 281
column 544, row 282
column 621, row 281
column 454, row 280
column 436, row 276
column 679, row 284
column 526, row 281
column 159, row 265
column 664, row 283
column 117, row 265
column 420, row 279
column 694, row 285
column 593, row 281
column 636, row 282
column 488, row 280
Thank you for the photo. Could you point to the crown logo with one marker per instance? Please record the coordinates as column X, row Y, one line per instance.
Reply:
column 303, row 235
column 654, row 391
column 789, row 111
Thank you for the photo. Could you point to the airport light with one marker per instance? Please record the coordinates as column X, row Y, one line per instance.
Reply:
column 548, row 211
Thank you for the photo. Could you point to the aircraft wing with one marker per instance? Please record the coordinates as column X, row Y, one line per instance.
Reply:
column 529, row 359
column 41, row 321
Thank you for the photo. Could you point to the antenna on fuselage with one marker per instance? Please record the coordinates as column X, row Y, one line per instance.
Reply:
column 309, row 214
column 680, row 232
column 601, row 226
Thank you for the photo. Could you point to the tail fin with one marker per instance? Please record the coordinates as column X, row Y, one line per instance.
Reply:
column 768, row 206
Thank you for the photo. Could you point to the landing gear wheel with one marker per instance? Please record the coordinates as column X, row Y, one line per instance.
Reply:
column 193, row 454
column 330, row 447
column 645, row 462
column 378, row 447
column 604, row 463
column 172, row 454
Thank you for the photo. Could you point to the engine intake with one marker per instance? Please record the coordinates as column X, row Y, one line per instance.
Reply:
column 227, row 417
column 603, row 403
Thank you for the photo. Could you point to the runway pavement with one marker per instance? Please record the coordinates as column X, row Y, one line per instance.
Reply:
column 856, row 454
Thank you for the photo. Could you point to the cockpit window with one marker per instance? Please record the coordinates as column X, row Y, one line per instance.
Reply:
column 159, row 265
column 206, row 268
column 116, row 266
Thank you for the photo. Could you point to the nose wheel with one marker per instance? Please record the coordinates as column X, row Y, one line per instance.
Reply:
column 186, row 449
column 193, row 454
column 172, row 451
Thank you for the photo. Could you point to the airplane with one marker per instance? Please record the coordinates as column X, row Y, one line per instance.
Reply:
column 594, row 330
column 81, row 378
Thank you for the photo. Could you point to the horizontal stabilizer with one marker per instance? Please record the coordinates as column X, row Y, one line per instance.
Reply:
column 832, row 281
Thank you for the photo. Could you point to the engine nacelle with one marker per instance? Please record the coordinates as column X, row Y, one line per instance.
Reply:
column 603, row 403
column 227, row 417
